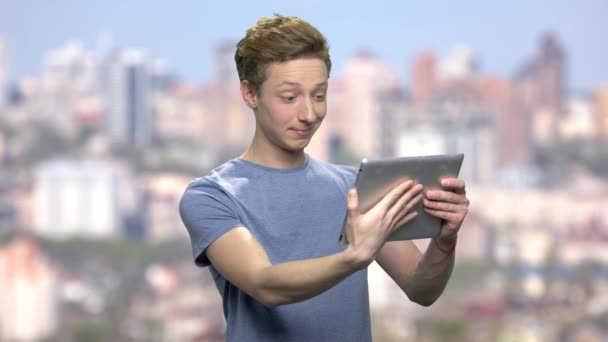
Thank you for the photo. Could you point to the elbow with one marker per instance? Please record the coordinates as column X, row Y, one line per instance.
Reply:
column 271, row 300
column 422, row 299
column 260, row 290
column 426, row 302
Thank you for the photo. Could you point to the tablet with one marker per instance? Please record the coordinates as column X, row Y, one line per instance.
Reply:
column 378, row 177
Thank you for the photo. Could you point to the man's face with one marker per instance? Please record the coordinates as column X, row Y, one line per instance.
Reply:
column 291, row 103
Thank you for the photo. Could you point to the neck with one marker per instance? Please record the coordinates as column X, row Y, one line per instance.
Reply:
column 269, row 155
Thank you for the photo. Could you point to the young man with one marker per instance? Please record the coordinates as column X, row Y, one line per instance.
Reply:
column 267, row 223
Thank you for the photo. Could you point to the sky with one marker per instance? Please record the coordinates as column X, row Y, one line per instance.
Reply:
column 184, row 33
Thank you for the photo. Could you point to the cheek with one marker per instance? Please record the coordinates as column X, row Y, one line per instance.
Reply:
column 277, row 113
column 320, row 109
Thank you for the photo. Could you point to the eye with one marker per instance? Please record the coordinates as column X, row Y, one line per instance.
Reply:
column 288, row 99
column 319, row 97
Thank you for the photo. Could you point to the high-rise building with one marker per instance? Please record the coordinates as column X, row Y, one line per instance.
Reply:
column 600, row 109
column 28, row 293
column 366, row 78
column 88, row 198
column 128, row 98
column 511, row 141
column 539, row 95
column 551, row 74
column 424, row 77
column 229, row 121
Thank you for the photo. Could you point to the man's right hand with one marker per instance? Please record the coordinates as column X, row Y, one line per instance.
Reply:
column 367, row 232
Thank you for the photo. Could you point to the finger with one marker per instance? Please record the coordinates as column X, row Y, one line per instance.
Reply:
column 447, row 196
column 352, row 203
column 407, row 218
column 413, row 202
column 405, row 200
column 457, row 185
column 444, row 206
column 389, row 199
column 408, row 207
column 454, row 218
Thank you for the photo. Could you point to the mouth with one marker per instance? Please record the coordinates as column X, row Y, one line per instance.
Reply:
column 302, row 132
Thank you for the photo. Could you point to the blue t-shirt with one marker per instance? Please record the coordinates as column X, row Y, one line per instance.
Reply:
column 295, row 214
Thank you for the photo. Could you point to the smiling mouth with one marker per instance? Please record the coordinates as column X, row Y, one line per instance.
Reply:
column 302, row 132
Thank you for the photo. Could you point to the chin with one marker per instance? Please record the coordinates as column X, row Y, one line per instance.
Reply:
column 295, row 148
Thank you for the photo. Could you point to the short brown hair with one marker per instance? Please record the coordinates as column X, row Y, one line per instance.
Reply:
column 277, row 39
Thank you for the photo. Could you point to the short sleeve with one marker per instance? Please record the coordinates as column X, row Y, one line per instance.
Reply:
column 207, row 212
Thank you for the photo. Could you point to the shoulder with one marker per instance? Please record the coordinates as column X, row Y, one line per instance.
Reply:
column 216, row 185
column 343, row 174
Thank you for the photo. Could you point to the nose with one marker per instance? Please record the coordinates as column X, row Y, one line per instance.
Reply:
column 306, row 112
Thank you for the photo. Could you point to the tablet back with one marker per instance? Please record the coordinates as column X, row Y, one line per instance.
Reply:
column 378, row 177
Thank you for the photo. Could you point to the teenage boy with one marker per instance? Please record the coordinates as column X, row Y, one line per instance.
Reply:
column 267, row 222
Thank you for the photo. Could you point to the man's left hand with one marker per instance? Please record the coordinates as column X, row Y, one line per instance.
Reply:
column 450, row 204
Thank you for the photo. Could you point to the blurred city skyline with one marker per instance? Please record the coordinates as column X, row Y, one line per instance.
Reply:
column 99, row 139
column 185, row 35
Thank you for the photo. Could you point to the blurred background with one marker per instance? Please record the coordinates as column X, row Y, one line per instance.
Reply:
column 109, row 109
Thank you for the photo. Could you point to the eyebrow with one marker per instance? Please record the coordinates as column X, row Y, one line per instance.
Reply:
column 291, row 83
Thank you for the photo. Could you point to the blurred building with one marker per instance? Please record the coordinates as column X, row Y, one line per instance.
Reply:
column 4, row 71
column 320, row 145
column 3, row 148
column 182, row 116
column 600, row 109
column 392, row 113
column 512, row 147
column 424, row 78
column 228, row 121
column 460, row 64
column 69, row 73
column 540, row 88
column 187, row 307
column 520, row 217
column 334, row 120
column 84, row 198
column 128, row 91
column 366, row 78
column 578, row 121
column 452, row 122
column 71, row 67
column 163, row 192
column 20, row 196
column 28, row 293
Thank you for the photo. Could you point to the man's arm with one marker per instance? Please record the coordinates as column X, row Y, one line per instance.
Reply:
column 424, row 277
column 240, row 258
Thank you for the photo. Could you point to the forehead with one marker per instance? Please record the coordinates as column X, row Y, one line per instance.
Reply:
column 303, row 71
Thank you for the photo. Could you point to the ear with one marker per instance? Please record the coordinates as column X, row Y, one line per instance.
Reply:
column 248, row 94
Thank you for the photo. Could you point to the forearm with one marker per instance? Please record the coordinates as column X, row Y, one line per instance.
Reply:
column 296, row 281
column 431, row 275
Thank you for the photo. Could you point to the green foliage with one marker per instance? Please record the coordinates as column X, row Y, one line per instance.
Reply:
column 446, row 329
column 117, row 251
column 92, row 331
column 467, row 274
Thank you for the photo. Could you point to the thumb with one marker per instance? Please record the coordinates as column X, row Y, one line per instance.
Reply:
column 352, row 202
